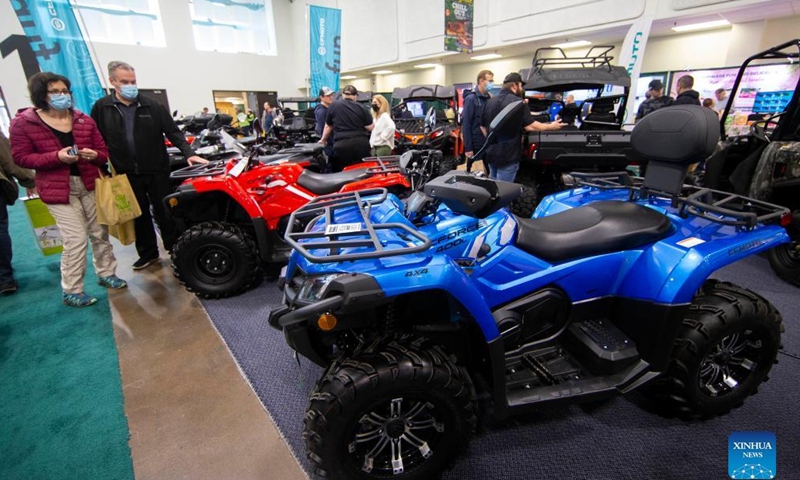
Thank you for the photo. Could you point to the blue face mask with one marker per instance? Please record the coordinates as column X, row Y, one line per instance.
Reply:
column 60, row 101
column 129, row 92
column 493, row 89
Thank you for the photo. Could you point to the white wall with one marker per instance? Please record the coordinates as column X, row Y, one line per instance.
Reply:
column 189, row 76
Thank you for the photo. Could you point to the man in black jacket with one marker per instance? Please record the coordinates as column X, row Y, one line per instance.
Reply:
column 350, row 123
column 686, row 96
column 134, row 127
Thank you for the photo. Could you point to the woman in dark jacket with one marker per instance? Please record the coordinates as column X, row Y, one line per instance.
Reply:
column 65, row 149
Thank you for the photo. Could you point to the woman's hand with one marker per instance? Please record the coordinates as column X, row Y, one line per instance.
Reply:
column 87, row 154
column 65, row 157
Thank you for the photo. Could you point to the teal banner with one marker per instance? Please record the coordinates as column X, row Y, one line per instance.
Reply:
column 57, row 42
column 325, row 25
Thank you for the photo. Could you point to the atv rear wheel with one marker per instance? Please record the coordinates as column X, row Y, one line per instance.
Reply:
column 447, row 164
column 215, row 260
column 727, row 345
column 399, row 411
column 785, row 261
column 524, row 205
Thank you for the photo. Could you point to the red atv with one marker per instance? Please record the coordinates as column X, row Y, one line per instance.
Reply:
column 233, row 214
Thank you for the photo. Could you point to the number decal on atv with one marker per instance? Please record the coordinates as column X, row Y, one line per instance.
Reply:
column 416, row 273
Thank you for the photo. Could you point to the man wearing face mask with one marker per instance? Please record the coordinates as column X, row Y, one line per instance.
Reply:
column 134, row 127
column 474, row 102
column 503, row 156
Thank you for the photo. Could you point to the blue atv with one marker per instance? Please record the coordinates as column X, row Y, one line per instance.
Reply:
column 417, row 308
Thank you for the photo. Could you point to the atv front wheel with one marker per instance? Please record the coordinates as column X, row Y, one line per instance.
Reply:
column 401, row 411
column 727, row 345
column 215, row 260
column 785, row 262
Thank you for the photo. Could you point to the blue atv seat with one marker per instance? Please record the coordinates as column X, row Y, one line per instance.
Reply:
column 324, row 183
column 593, row 229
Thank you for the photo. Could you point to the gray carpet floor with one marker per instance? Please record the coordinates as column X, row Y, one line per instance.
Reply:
column 615, row 439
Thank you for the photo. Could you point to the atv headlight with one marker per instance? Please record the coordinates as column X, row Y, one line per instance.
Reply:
column 313, row 288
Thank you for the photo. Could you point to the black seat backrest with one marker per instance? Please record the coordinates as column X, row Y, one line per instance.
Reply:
column 671, row 139
column 569, row 113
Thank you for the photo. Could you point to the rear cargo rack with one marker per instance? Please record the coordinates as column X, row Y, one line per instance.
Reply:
column 387, row 164
column 597, row 56
column 364, row 235
column 714, row 205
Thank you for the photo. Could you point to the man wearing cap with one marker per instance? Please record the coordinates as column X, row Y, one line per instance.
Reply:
column 350, row 123
column 320, row 115
column 657, row 100
column 503, row 156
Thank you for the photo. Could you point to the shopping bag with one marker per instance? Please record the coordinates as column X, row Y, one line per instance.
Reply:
column 48, row 236
column 124, row 232
column 114, row 199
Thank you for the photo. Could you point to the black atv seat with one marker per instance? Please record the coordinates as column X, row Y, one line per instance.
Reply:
column 324, row 183
column 594, row 229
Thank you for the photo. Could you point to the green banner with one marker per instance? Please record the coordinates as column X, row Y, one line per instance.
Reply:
column 458, row 26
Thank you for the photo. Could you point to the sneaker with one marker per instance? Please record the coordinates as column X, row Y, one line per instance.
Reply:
column 78, row 299
column 143, row 263
column 112, row 281
column 8, row 288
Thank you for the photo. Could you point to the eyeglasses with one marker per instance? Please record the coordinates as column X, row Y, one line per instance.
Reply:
column 56, row 92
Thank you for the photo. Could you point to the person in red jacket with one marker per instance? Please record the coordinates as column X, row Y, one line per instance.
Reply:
column 65, row 149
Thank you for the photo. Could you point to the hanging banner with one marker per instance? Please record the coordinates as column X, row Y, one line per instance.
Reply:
column 633, row 55
column 458, row 26
column 325, row 25
column 57, row 41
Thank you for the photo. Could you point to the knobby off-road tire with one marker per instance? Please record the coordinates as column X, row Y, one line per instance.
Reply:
column 447, row 164
column 395, row 400
column 727, row 345
column 215, row 260
column 524, row 205
column 785, row 262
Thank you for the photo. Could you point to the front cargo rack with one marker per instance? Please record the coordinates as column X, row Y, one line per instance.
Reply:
column 714, row 205
column 361, row 234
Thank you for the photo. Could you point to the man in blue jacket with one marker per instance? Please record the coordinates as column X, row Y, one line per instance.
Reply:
column 474, row 102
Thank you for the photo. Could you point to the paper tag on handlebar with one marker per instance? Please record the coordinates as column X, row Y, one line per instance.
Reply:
column 238, row 168
column 334, row 229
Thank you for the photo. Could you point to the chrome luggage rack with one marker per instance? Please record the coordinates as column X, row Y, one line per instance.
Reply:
column 362, row 234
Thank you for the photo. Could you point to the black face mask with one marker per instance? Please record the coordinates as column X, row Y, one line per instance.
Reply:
column 376, row 107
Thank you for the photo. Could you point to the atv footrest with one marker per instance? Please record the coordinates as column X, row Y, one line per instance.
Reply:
column 600, row 346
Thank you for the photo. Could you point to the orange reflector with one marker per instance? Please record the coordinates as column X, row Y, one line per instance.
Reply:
column 327, row 322
column 173, row 202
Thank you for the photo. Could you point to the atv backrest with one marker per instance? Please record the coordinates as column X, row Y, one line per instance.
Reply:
column 470, row 195
column 671, row 139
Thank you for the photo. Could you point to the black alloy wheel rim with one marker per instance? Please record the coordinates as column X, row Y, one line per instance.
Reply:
column 790, row 254
column 395, row 438
column 214, row 264
column 730, row 363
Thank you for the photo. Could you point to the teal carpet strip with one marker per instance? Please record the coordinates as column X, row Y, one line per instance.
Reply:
column 61, row 405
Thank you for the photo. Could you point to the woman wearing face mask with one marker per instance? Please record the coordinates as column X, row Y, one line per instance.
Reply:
column 65, row 148
column 381, row 139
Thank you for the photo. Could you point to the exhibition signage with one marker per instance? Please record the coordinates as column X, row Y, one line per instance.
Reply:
column 633, row 54
column 458, row 26
column 56, row 41
column 325, row 25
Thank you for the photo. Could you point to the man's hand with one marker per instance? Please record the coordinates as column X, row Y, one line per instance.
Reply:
column 556, row 125
column 32, row 192
column 468, row 154
column 194, row 159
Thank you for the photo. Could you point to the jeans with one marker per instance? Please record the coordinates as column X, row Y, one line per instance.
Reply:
column 6, row 272
column 506, row 173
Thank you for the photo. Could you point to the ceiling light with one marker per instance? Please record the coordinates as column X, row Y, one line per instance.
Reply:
column 577, row 43
column 347, row 77
column 488, row 56
column 701, row 26
column 426, row 65
column 381, row 72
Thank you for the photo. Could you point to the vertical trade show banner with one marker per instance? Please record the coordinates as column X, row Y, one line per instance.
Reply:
column 54, row 36
column 632, row 56
column 458, row 25
column 325, row 25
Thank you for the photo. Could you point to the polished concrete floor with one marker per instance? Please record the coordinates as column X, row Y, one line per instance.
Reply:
column 191, row 413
